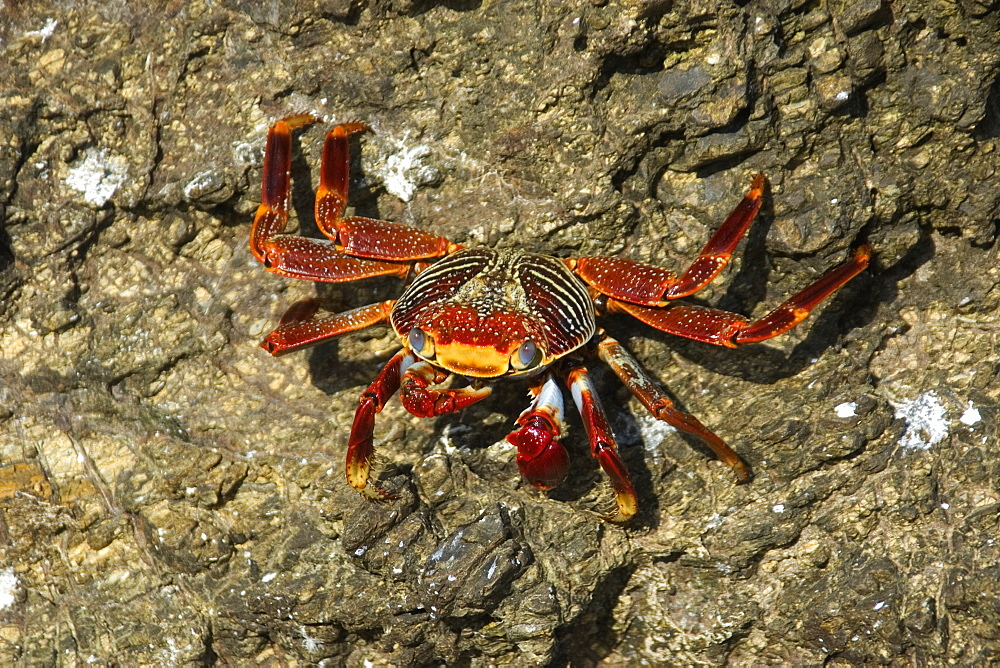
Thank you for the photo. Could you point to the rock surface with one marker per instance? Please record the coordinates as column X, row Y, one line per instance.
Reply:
column 170, row 494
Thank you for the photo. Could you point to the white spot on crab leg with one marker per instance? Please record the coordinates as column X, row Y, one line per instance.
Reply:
column 577, row 390
column 408, row 361
column 550, row 397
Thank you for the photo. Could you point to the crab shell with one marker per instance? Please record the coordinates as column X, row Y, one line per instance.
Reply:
column 486, row 313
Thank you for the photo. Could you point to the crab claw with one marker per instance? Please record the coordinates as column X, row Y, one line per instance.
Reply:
column 422, row 397
column 540, row 456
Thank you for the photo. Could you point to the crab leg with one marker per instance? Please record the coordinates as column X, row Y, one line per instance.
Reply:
column 300, row 328
column 602, row 443
column 361, row 445
column 334, row 177
column 272, row 214
column 723, row 328
column 541, row 458
column 292, row 255
column 656, row 402
column 639, row 283
column 797, row 308
column 719, row 249
column 422, row 397
column 358, row 236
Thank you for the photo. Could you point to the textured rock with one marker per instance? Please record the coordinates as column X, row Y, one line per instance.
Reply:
column 170, row 494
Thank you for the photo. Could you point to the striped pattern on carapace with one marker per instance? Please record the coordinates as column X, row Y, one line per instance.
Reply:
column 482, row 298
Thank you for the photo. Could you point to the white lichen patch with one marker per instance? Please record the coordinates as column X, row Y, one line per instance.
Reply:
column 405, row 170
column 45, row 31
column 448, row 436
column 846, row 409
column 98, row 175
column 250, row 152
column 971, row 415
column 926, row 421
column 308, row 642
column 206, row 181
column 653, row 431
column 8, row 588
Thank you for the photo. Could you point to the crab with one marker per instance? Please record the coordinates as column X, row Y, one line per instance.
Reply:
column 487, row 314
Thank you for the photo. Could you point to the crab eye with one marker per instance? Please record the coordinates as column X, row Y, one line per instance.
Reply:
column 526, row 356
column 421, row 342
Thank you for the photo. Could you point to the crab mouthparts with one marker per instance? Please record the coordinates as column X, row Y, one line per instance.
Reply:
column 472, row 360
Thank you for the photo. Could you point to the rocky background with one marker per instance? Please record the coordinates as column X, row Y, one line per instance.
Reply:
column 171, row 494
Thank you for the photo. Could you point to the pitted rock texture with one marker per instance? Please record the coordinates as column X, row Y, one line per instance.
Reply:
column 172, row 495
